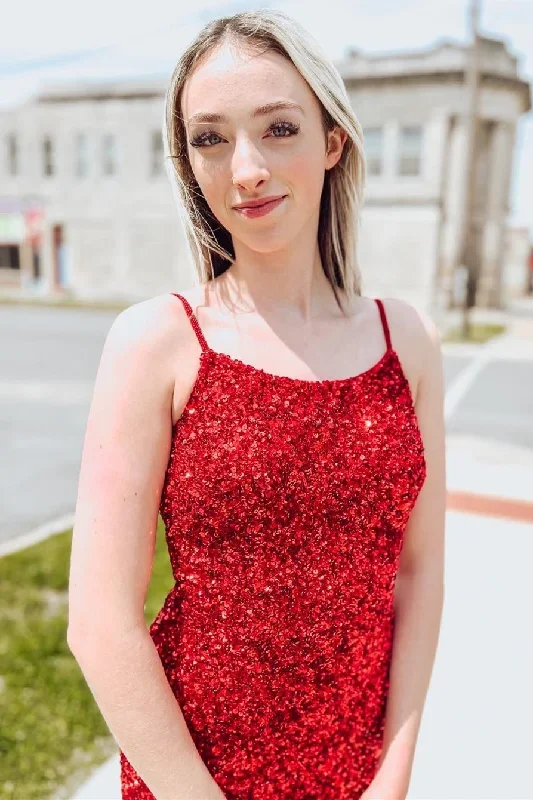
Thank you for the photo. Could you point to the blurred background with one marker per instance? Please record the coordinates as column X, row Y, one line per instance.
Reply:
column 88, row 226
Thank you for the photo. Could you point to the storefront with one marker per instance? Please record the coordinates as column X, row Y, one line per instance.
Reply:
column 21, row 242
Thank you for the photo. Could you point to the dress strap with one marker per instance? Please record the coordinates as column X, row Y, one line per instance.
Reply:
column 194, row 321
column 384, row 322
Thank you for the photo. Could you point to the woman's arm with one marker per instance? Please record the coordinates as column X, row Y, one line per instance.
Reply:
column 419, row 593
column 124, row 460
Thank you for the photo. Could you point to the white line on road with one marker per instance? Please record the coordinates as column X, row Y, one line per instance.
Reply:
column 498, row 348
column 460, row 386
column 61, row 392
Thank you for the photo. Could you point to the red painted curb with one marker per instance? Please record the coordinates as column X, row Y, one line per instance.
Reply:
column 490, row 506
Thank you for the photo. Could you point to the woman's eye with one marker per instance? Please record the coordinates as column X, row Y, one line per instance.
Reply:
column 287, row 129
column 199, row 141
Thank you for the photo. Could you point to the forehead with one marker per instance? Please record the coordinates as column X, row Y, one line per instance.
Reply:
column 232, row 78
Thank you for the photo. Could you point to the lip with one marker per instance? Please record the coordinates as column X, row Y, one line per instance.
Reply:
column 260, row 209
column 260, row 201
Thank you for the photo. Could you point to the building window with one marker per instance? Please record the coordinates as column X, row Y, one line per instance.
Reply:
column 12, row 155
column 81, row 155
column 9, row 256
column 156, row 158
column 373, row 142
column 109, row 154
column 48, row 156
column 410, row 150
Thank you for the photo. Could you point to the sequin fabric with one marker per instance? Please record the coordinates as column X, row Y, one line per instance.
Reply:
column 285, row 503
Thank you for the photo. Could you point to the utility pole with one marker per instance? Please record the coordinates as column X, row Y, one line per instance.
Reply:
column 466, row 267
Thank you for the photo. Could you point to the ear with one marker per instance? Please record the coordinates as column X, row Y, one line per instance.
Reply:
column 336, row 139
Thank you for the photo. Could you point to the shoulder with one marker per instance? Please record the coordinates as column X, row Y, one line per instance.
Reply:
column 150, row 325
column 415, row 337
column 148, row 350
column 419, row 325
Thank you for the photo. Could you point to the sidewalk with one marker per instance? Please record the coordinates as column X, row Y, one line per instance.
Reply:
column 482, row 472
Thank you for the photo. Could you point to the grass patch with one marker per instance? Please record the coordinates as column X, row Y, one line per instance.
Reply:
column 479, row 333
column 52, row 734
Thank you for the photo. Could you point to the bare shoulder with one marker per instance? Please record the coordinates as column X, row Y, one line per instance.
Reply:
column 156, row 334
column 151, row 320
column 164, row 320
column 157, row 327
column 416, row 339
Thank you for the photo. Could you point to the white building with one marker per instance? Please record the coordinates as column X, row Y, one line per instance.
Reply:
column 88, row 161
column 411, row 107
column 518, row 277
column 86, row 206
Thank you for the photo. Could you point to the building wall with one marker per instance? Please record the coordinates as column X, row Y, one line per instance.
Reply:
column 399, row 244
column 122, row 231
column 437, row 106
column 397, row 252
column 519, row 245
column 120, row 235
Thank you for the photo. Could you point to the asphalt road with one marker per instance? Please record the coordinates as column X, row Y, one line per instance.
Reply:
column 48, row 363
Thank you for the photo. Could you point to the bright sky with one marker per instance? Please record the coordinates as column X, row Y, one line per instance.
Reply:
column 63, row 40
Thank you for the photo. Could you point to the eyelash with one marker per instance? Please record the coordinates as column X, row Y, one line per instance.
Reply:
column 292, row 127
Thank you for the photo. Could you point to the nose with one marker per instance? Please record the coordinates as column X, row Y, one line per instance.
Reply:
column 248, row 165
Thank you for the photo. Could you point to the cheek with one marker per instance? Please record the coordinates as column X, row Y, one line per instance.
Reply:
column 210, row 179
column 307, row 175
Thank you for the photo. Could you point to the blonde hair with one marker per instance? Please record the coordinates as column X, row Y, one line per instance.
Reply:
column 209, row 242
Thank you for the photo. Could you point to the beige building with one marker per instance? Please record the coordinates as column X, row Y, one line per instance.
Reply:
column 87, row 162
column 518, row 277
column 86, row 206
column 411, row 107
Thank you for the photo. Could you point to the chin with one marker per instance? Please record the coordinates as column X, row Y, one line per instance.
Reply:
column 267, row 241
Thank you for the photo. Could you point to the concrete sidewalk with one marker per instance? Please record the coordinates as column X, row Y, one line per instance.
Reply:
column 487, row 467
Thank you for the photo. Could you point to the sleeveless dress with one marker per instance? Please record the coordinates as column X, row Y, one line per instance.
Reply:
column 285, row 503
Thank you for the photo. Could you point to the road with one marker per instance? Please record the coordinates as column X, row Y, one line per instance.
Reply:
column 48, row 364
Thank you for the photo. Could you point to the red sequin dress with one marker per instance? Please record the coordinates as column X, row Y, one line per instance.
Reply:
column 285, row 504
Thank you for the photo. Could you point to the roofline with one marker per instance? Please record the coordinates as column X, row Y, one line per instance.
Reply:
column 452, row 76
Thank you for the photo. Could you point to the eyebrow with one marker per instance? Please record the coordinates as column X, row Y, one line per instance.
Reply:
column 260, row 111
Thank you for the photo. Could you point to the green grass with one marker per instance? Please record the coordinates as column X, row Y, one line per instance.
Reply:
column 52, row 734
column 479, row 333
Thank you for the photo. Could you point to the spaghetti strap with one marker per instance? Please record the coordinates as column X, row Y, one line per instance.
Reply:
column 384, row 322
column 194, row 321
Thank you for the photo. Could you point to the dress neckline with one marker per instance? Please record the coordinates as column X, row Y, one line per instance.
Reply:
column 289, row 379
column 208, row 355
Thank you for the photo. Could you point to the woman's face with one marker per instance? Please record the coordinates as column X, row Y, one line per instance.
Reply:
column 246, row 152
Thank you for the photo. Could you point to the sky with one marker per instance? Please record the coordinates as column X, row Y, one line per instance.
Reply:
column 60, row 40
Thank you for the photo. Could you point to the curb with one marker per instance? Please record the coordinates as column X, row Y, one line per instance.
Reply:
column 490, row 506
column 39, row 534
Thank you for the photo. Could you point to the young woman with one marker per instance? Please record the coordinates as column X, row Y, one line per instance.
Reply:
column 290, row 431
